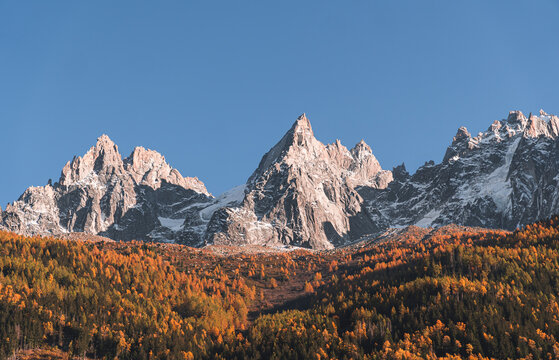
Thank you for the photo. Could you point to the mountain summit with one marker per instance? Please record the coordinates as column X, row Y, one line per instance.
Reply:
column 303, row 193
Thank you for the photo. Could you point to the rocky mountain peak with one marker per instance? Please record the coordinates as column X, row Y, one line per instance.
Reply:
column 142, row 159
column 148, row 167
column 365, row 170
column 100, row 192
column 495, row 126
column 554, row 125
column 461, row 135
column 303, row 193
column 544, row 124
column 517, row 118
column 295, row 147
column 461, row 142
column 400, row 172
column 301, row 133
column 361, row 149
column 105, row 152
column 537, row 126
column 105, row 142
column 302, row 124
column 101, row 159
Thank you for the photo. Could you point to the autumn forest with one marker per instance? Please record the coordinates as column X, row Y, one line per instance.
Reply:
column 449, row 293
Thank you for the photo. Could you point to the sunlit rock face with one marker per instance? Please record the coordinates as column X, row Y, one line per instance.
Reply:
column 100, row 193
column 303, row 193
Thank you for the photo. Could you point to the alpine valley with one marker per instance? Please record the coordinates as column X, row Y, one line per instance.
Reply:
column 303, row 193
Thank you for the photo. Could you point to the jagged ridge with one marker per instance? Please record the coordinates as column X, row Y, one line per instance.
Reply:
column 502, row 178
column 303, row 192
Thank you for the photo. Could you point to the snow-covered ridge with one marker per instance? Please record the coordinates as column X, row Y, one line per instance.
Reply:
column 496, row 179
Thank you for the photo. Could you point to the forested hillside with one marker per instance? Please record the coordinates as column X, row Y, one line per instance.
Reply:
column 439, row 294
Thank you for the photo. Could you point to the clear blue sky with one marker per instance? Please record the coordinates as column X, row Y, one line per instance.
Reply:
column 213, row 85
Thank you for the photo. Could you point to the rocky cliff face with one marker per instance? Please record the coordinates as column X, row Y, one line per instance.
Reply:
column 504, row 177
column 303, row 192
column 138, row 197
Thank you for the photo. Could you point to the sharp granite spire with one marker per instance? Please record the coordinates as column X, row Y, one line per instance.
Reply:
column 303, row 193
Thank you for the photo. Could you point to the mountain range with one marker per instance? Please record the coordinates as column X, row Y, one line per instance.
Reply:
column 303, row 193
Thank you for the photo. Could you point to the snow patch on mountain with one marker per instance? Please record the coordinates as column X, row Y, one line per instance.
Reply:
column 495, row 185
column 231, row 197
column 172, row 224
